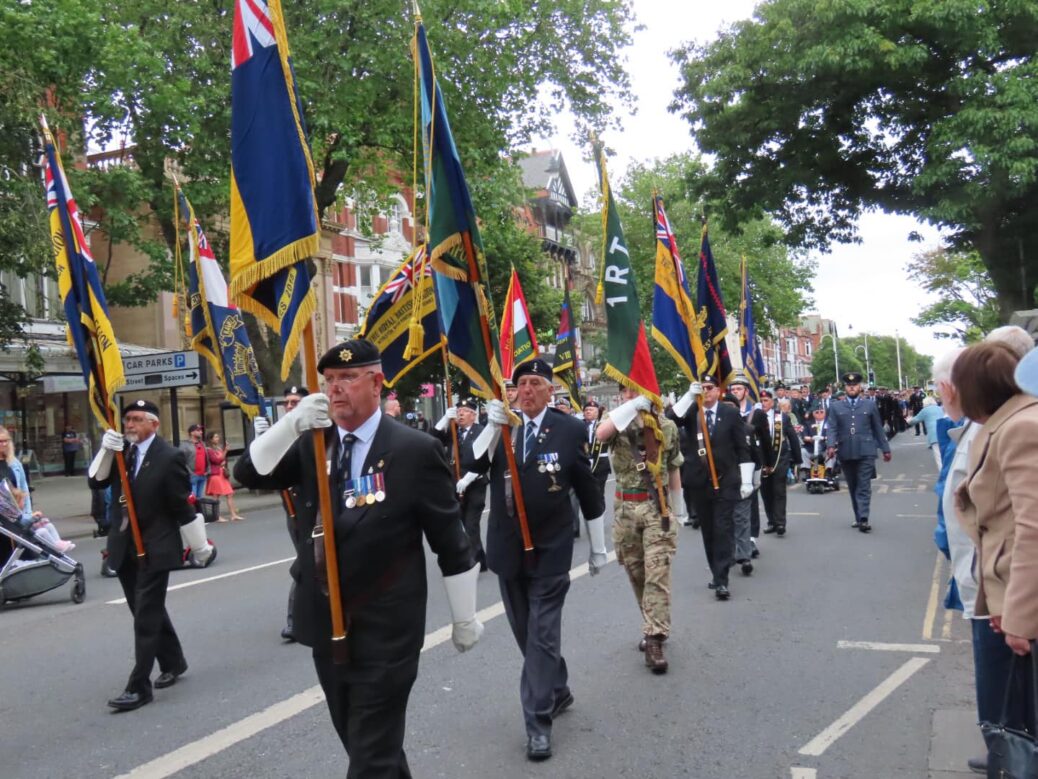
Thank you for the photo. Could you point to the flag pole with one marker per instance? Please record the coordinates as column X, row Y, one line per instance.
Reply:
column 340, row 649
column 506, row 432
column 455, row 445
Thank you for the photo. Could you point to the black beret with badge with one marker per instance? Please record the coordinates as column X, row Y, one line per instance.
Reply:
column 470, row 403
column 355, row 353
column 592, row 403
column 852, row 378
column 767, row 392
column 535, row 367
column 295, row 390
column 142, row 405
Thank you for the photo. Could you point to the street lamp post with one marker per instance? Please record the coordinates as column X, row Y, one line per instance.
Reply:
column 836, row 354
column 868, row 366
column 897, row 344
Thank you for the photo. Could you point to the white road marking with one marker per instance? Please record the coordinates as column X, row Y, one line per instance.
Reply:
column 208, row 579
column 799, row 772
column 803, row 514
column 931, row 603
column 879, row 646
column 916, row 516
column 816, row 746
column 197, row 751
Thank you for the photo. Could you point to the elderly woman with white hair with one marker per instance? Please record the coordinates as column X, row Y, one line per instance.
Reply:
column 929, row 415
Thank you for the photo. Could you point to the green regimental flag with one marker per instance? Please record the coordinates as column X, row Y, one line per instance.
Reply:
column 628, row 359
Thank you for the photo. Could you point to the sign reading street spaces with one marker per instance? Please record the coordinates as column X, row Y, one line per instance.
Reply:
column 163, row 371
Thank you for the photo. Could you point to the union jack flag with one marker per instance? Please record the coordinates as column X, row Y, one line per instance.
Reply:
column 665, row 235
column 403, row 279
column 252, row 25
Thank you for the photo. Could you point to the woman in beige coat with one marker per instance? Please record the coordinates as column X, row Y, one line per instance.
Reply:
column 997, row 505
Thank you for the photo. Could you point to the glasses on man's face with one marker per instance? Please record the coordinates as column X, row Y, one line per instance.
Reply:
column 135, row 419
column 331, row 381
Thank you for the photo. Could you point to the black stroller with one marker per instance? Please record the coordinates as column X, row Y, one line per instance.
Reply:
column 35, row 567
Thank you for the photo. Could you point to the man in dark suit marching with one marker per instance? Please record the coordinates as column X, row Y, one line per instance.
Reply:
column 598, row 452
column 781, row 448
column 734, row 467
column 551, row 450
column 855, row 435
column 390, row 487
column 472, row 487
column 160, row 484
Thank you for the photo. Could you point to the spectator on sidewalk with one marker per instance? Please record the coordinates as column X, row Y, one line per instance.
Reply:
column 12, row 471
column 928, row 416
column 219, row 485
column 197, row 459
column 71, row 443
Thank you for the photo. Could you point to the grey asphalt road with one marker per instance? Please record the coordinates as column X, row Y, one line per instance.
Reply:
column 752, row 682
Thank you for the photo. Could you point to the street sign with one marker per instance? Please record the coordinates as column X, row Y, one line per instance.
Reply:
column 164, row 370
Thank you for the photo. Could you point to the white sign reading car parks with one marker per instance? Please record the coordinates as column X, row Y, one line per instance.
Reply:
column 162, row 371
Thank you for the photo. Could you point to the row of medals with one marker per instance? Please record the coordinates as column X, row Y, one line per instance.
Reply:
column 370, row 490
column 549, row 463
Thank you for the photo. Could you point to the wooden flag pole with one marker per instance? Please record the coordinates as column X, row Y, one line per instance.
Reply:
column 706, row 443
column 506, row 433
column 340, row 649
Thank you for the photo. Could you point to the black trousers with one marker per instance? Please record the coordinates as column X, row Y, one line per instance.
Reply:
column 533, row 606
column 472, row 515
column 369, row 711
column 717, row 526
column 153, row 634
column 858, row 474
column 70, row 462
column 773, row 490
column 755, row 516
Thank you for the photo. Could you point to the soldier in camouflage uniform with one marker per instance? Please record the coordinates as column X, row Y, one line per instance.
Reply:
column 645, row 539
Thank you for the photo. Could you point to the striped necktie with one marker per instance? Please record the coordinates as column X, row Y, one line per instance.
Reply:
column 531, row 431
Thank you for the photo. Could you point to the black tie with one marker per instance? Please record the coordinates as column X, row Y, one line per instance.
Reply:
column 345, row 471
column 710, row 421
column 531, row 428
column 131, row 462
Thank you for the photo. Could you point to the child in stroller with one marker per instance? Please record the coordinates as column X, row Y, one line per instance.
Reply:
column 823, row 475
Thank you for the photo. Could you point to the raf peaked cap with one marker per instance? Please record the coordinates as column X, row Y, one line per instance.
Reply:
column 142, row 405
column 294, row 390
column 535, row 367
column 767, row 392
column 355, row 353
column 740, row 379
column 563, row 401
column 852, row 378
column 469, row 403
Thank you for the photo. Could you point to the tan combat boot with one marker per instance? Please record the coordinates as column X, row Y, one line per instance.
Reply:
column 654, row 658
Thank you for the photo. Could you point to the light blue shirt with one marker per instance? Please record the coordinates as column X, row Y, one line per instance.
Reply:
column 142, row 452
column 22, row 484
column 929, row 416
column 365, row 434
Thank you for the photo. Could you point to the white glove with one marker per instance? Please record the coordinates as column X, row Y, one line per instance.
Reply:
column 461, row 596
column 695, row 389
column 101, row 465
column 626, row 412
column 465, row 481
column 596, row 537
column 445, row 420
column 260, row 425
column 113, row 441
column 193, row 536
column 497, row 414
column 756, row 478
column 746, row 472
column 678, row 510
column 311, row 413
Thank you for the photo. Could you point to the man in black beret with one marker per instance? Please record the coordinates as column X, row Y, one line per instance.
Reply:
column 390, row 487
column 471, row 487
column 855, row 437
column 598, row 452
column 780, row 448
column 552, row 457
column 160, row 486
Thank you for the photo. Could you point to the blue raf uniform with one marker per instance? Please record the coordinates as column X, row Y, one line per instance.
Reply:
column 856, row 431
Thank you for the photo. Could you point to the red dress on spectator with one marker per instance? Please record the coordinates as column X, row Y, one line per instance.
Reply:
column 218, row 484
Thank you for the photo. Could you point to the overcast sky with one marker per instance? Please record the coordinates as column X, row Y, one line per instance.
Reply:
column 859, row 286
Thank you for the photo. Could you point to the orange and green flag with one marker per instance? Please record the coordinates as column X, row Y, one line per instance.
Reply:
column 518, row 340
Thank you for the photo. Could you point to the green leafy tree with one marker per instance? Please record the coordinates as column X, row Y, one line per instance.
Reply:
column 967, row 304
column 823, row 364
column 882, row 361
column 817, row 111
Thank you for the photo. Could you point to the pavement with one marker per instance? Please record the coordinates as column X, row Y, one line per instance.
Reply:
column 65, row 500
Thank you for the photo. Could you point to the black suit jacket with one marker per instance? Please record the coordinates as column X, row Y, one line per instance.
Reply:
column 729, row 446
column 477, row 491
column 160, row 492
column 381, row 558
column 598, row 452
column 549, row 511
column 788, row 453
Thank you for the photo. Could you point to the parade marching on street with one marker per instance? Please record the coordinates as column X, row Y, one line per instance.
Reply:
column 834, row 659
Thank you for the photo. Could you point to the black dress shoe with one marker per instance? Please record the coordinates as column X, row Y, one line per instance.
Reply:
column 747, row 568
column 978, row 765
column 288, row 635
column 562, row 704
column 168, row 678
column 755, row 553
column 641, row 645
column 712, row 586
column 770, row 529
column 129, row 701
column 780, row 531
column 721, row 592
column 538, row 747
column 856, row 524
column 865, row 527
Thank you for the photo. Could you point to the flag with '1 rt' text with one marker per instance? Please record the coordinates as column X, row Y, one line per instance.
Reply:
column 89, row 331
column 628, row 359
column 274, row 226
column 214, row 325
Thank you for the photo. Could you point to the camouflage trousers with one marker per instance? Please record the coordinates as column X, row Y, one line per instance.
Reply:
column 645, row 551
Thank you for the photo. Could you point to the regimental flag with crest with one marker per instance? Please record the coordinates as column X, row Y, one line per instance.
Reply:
column 454, row 244
column 564, row 368
column 213, row 324
column 712, row 318
column 274, row 226
column 673, row 315
column 89, row 331
column 752, row 359
column 407, row 297
column 628, row 360
column 518, row 340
